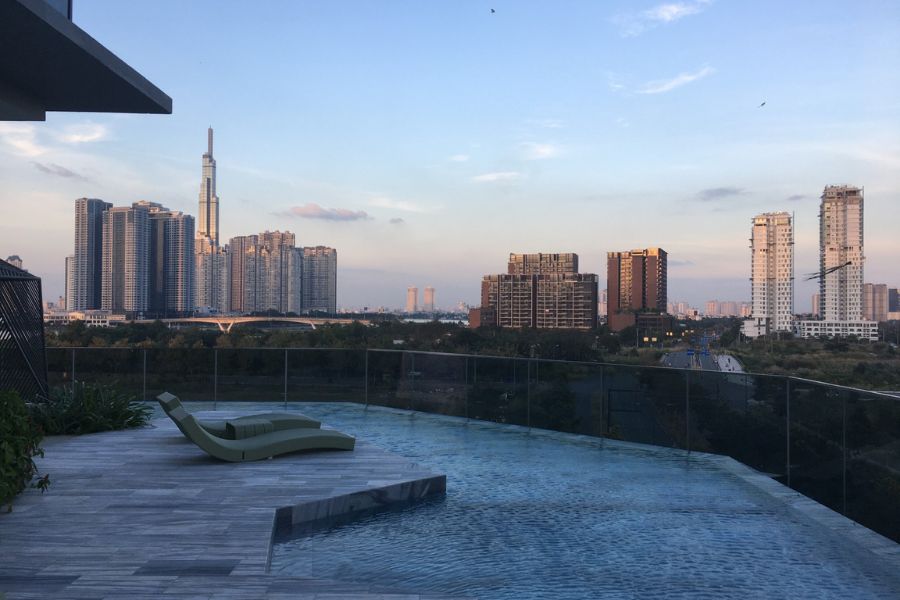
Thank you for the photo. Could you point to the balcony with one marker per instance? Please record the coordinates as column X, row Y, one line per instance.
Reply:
column 641, row 481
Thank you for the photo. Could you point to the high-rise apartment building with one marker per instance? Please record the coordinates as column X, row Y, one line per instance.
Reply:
column 816, row 304
column 542, row 264
column 537, row 291
column 875, row 302
column 412, row 299
column 772, row 273
column 320, row 279
column 841, row 256
column 211, row 276
column 266, row 273
column 87, row 265
column 428, row 299
column 841, row 261
column 70, row 282
column 208, row 217
column 712, row 308
column 15, row 260
column 126, row 260
column 170, row 278
column 637, row 281
column 893, row 300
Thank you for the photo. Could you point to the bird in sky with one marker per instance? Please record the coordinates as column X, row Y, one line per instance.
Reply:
column 761, row 105
column 493, row 11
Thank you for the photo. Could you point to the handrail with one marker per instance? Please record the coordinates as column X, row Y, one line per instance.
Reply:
column 835, row 386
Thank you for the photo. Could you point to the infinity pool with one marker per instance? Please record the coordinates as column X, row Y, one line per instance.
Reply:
column 551, row 515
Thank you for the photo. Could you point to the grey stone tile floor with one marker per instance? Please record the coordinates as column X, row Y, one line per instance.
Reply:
column 144, row 513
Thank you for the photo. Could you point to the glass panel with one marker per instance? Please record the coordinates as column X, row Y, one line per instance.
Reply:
column 59, row 367
column 385, row 376
column 499, row 390
column 119, row 367
column 185, row 372
column 436, row 383
column 326, row 375
column 645, row 405
column 566, row 396
column 873, row 451
column 817, row 461
column 251, row 374
column 741, row 416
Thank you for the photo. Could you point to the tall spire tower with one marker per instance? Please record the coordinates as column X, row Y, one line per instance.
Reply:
column 208, row 217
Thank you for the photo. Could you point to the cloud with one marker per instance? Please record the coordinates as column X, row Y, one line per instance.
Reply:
column 21, row 139
column 385, row 202
column 60, row 171
column 796, row 197
column 84, row 133
column 634, row 24
column 396, row 221
column 535, row 151
column 718, row 193
column 498, row 176
column 459, row 158
column 622, row 122
column 679, row 263
column 311, row 210
column 661, row 86
column 547, row 123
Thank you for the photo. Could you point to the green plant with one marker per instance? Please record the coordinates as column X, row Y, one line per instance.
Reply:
column 89, row 409
column 19, row 444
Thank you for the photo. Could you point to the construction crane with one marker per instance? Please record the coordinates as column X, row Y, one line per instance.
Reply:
column 828, row 271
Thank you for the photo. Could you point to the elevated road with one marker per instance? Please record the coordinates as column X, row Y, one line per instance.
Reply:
column 225, row 323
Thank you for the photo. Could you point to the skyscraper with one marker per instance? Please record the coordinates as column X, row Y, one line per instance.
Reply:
column 772, row 272
column 87, row 264
column 211, row 261
column 412, row 299
column 208, row 217
column 637, row 281
column 126, row 254
column 265, row 273
column 428, row 300
column 841, row 256
column 320, row 279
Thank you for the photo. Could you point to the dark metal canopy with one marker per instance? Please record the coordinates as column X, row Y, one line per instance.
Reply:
column 47, row 63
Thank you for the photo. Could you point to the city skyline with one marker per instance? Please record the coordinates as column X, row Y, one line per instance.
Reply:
column 647, row 129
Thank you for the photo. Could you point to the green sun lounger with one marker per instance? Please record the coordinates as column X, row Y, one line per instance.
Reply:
column 262, row 445
column 241, row 427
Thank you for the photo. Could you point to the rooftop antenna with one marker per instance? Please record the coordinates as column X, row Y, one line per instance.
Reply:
column 209, row 141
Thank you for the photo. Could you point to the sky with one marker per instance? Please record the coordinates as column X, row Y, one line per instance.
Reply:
column 428, row 140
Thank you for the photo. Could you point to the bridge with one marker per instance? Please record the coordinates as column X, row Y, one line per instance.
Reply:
column 225, row 323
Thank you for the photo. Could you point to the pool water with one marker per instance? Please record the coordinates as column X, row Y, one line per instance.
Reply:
column 549, row 515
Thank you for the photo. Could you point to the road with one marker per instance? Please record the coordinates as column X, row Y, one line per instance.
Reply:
column 681, row 360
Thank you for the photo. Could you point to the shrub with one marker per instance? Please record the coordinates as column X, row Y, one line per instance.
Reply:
column 19, row 444
column 90, row 409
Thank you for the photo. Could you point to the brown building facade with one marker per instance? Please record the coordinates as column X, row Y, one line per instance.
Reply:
column 637, row 281
column 541, row 291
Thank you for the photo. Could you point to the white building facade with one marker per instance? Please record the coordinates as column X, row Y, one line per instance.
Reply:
column 772, row 273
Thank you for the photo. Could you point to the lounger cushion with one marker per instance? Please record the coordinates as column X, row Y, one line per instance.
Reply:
column 238, row 429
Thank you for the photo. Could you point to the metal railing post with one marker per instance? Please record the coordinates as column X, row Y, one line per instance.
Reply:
column 687, row 410
column 844, row 451
column 466, row 387
column 367, row 377
column 528, row 392
column 285, row 377
column 412, row 375
column 215, row 378
column 73, row 371
column 602, row 411
column 144, row 388
column 787, row 428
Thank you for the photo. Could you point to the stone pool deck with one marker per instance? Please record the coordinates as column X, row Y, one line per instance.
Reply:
column 144, row 513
